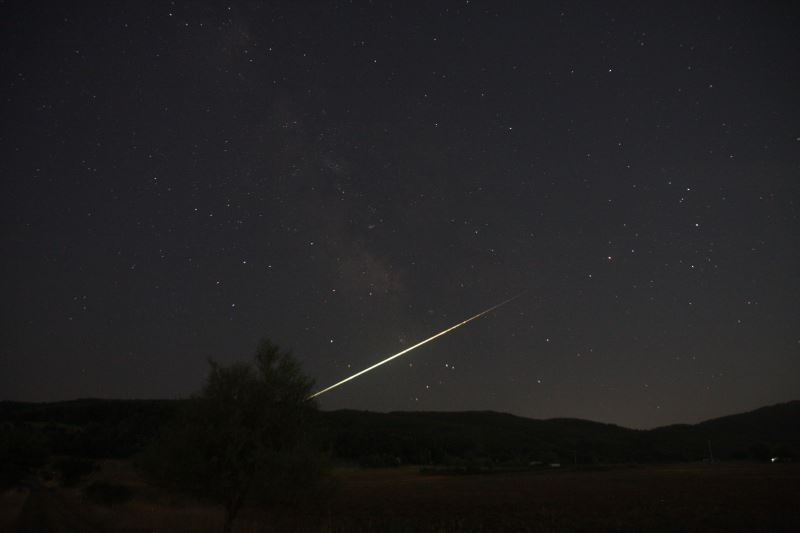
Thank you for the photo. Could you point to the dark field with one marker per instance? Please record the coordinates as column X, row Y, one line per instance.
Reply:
column 701, row 497
column 718, row 497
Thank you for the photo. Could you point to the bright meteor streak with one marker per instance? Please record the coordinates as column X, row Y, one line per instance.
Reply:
column 429, row 339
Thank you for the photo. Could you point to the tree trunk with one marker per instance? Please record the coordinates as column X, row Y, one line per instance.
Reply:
column 229, row 516
column 231, row 510
column 234, row 503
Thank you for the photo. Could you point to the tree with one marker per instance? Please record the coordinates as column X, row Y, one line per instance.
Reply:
column 246, row 435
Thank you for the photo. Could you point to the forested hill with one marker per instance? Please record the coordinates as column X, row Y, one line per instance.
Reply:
column 440, row 436
column 119, row 428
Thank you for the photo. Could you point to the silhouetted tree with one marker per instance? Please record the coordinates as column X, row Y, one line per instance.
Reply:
column 246, row 435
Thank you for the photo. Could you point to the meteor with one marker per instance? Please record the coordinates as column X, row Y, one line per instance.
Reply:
column 429, row 339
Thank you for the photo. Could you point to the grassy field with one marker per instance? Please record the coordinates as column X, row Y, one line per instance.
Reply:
column 718, row 497
column 697, row 497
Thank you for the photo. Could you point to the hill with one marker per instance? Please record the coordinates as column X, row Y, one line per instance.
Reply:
column 421, row 437
column 96, row 428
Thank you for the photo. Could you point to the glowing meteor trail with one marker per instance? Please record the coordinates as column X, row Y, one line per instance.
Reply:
column 429, row 339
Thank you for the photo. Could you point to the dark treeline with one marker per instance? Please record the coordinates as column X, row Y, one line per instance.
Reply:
column 491, row 438
column 94, row 429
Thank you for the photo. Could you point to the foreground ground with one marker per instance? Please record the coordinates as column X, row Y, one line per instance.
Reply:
column 735, row 497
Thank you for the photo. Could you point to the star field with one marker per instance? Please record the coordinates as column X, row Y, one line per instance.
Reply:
column 346, row 178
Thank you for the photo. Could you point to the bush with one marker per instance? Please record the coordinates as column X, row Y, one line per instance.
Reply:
column 22, row 450
column 108, row 494
column 73, row 469
column 379, row 460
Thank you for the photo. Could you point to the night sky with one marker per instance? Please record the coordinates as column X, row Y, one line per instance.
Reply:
column 180, row 179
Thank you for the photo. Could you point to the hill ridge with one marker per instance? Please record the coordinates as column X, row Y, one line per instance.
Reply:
column 120, row 428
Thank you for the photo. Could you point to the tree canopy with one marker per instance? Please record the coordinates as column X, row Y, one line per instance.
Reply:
column 246, row 435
